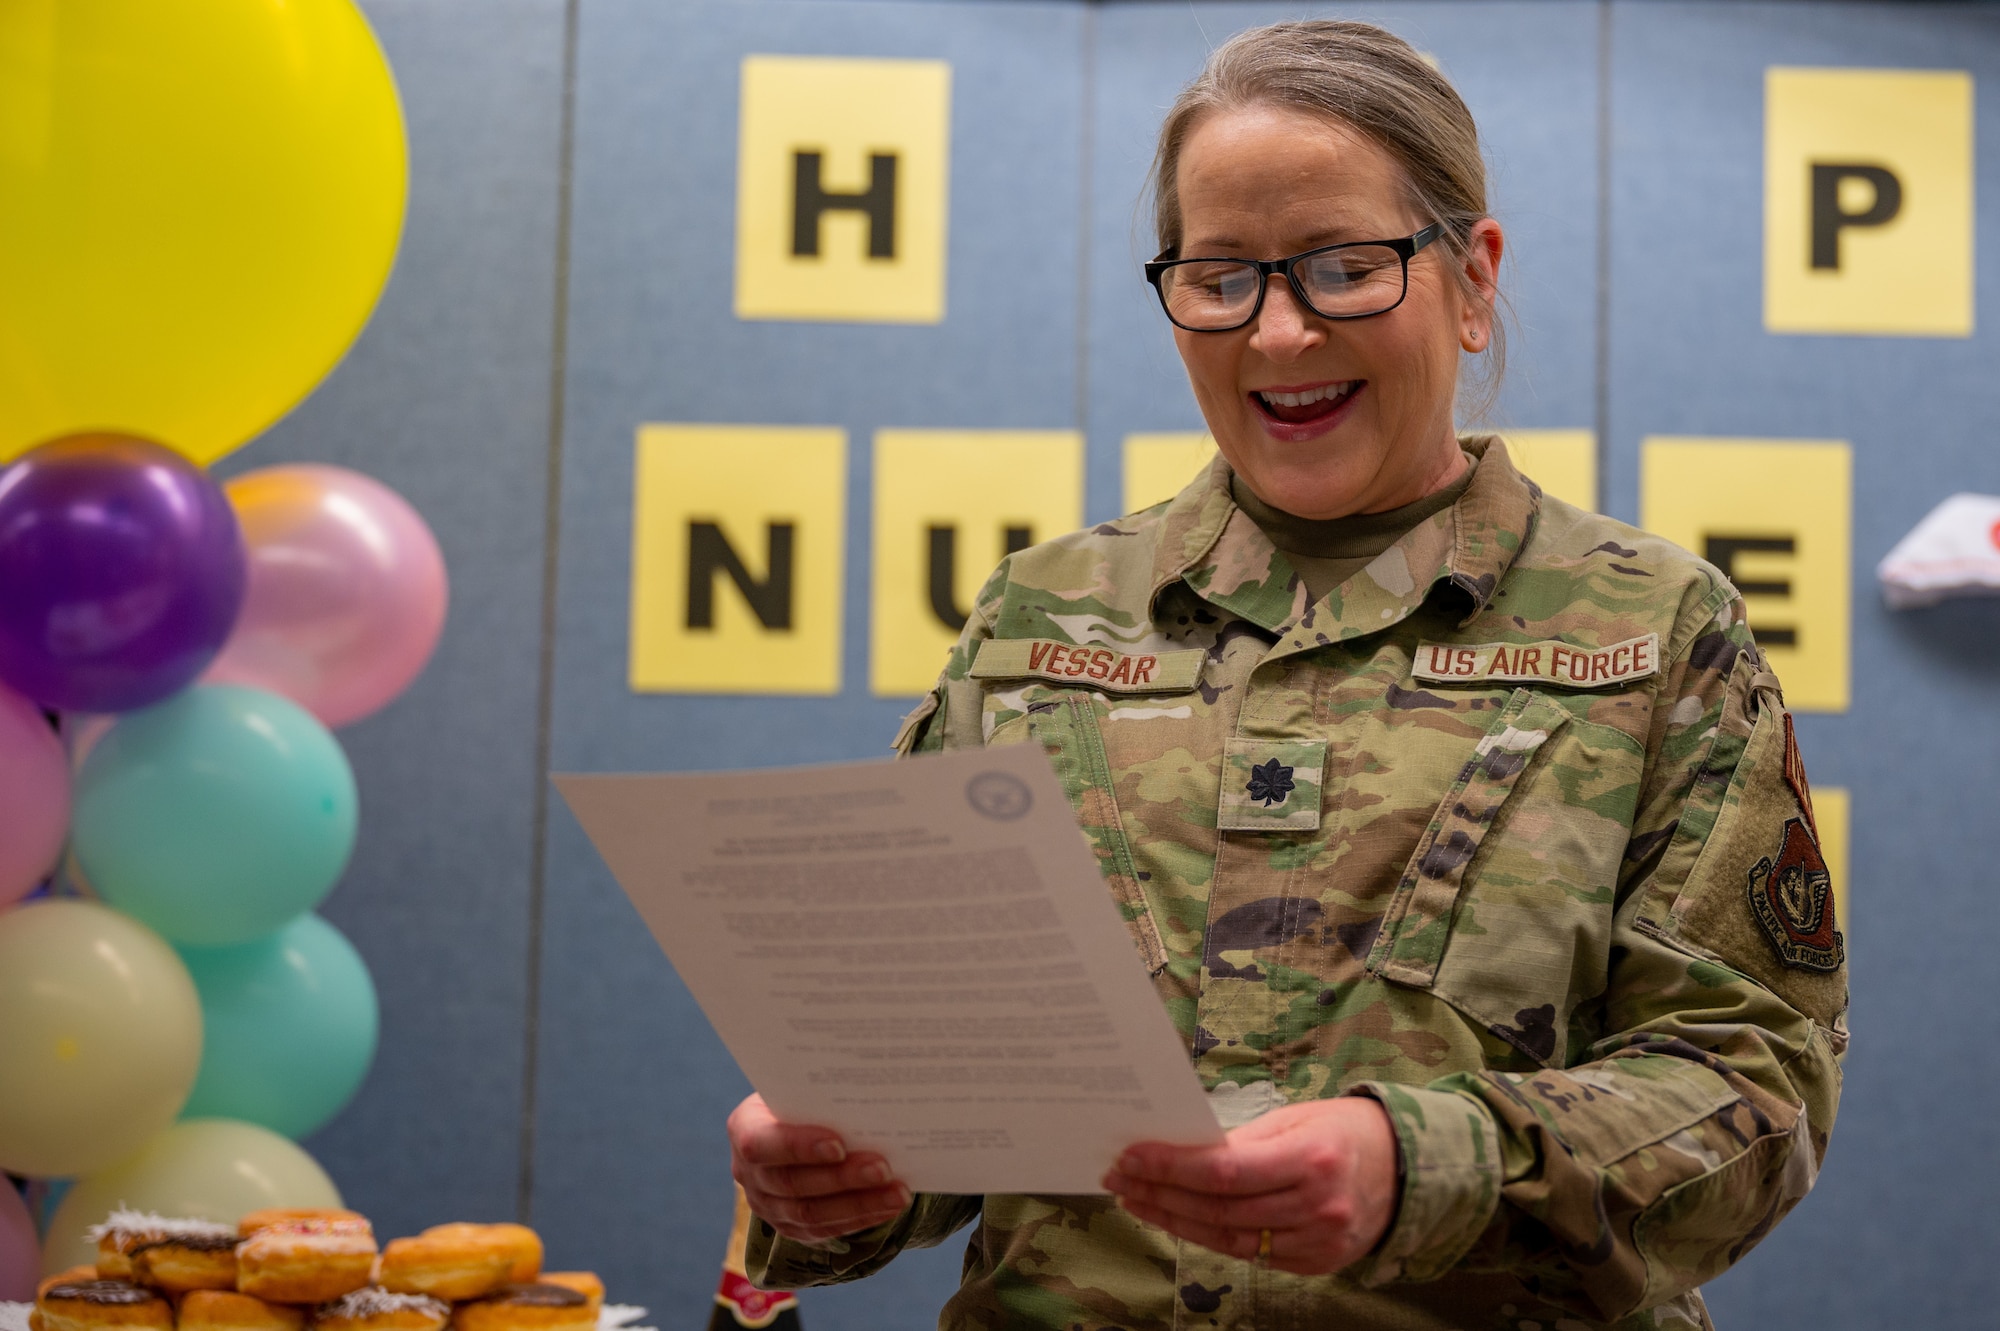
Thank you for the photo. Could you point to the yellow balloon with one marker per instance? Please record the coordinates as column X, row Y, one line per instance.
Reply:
column 209, row 1168
column 100, row 1037
column 199, row 204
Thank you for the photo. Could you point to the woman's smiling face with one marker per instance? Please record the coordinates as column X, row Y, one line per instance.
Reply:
column 1325, row 418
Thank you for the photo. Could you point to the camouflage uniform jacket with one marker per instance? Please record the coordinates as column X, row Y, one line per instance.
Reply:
column 1509, row 832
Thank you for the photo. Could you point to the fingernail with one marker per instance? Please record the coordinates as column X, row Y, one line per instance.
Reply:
column 1128, row 1164
column 831, row 1152
column 875, row 1173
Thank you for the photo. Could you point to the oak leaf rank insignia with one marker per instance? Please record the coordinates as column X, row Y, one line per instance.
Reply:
column 1269, row 783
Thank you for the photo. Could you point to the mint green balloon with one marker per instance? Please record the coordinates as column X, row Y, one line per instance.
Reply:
column 289, row 1026
column 216, row 816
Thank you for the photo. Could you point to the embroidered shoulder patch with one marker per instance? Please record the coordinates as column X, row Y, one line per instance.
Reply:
column 1792, row 898
column 1089, row 665
column 1562, row 664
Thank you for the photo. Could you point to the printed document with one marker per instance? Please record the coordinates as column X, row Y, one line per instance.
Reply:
column 920, row 955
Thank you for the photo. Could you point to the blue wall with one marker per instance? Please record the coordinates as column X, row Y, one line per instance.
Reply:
column 565, row 275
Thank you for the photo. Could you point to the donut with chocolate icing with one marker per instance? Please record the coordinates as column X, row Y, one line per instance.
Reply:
column 585, row 1283
column 226, row 1310
column 461, row 1261
column 73, row 1275
column 100, row 1305
column 306, row 1260
column 541, row 1306
column 119, row 1233
column 376, row 1309
column 179, row 1263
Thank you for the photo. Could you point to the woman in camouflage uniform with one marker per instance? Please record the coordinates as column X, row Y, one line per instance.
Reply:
column 1462, row 830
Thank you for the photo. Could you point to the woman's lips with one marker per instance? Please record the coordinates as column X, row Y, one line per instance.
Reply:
column 1293, row 415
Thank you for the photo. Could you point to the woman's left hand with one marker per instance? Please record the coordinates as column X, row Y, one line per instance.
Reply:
column 1321, row 1177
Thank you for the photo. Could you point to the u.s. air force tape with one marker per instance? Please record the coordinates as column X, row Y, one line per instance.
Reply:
column 1562, row 664
column 1088, row 665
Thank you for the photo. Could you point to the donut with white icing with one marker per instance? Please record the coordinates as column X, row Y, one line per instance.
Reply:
column 376, row 1309
column 306, row 1261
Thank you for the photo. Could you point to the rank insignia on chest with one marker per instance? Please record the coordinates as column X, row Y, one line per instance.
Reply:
column 1271, row 785
column 1792, row 898
column 1089, row 666
column 1562, row 664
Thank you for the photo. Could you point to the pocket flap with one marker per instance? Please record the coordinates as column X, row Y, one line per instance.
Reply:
column 1413, row 935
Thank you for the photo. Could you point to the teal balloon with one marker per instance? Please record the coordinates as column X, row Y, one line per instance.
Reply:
column 289, row 1027
column 217, row 816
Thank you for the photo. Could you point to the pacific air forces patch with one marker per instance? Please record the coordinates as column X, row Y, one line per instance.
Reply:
column 1792, row 898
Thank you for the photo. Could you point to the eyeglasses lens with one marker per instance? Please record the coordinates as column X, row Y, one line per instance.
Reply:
column 1208, row 294
column 1363, row 279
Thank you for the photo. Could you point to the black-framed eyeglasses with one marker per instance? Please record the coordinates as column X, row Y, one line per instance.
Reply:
column 1353, row 280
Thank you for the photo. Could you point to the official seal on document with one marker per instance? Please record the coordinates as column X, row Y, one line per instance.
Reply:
column 999, row 795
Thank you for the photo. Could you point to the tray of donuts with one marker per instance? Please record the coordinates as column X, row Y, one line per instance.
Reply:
column 317, row 1270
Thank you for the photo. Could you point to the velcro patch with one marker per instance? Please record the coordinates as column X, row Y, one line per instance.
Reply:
column 1271, row 785
column 1562, row 664
column 1089, row 665
column 1795, row 777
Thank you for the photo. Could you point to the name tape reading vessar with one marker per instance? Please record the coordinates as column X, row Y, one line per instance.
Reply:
column 1085, row 663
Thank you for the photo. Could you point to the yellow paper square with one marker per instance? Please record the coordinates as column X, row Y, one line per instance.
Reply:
column 1159, row 466
column 975, row 489
column 772, row 499
column 820, row 137
column 1887, row 144
column 1562, row 462
column 1830, row 809
column 1734, row 502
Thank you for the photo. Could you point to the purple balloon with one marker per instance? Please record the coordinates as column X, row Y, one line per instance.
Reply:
column 121, row 572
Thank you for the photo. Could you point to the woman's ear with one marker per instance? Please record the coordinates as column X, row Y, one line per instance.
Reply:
column 1482, row 273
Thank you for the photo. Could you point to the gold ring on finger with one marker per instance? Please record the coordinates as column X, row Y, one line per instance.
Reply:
column 1263, row 1245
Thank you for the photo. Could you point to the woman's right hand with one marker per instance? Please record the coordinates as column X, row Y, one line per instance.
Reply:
column 802, row 1180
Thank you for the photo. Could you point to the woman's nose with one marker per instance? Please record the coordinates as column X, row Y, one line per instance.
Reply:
column 1285, row 328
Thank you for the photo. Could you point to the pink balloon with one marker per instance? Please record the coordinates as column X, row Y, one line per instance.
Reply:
column 34, row 796
column 347, row 591
column 20, row 1254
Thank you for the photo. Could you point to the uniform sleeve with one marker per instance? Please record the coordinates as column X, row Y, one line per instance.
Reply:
column 1701, row 1115
column 776, row 1262
column 946, row 717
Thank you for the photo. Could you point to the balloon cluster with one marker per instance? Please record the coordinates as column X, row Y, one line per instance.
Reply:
column 194, row 643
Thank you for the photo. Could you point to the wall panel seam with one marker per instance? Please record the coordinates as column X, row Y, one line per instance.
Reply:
column 524, row 1199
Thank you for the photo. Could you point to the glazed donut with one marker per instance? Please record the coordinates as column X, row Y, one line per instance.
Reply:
column 73, row 1276
column 183, row 1262
column 443, row 1268
column 585, row 1283
column 537, row 1307
column 461, row 1261
column 292, row 1215
column 100, row 1305
column 226, row 1310
column 306, row 1261
column 522, row 1245
column 378, row 1309
column 122, row 1231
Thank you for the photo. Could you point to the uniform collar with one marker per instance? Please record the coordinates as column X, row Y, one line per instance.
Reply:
column 1224, row 557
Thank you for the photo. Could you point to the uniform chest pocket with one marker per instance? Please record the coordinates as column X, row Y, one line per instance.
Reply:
column 1501, row 905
